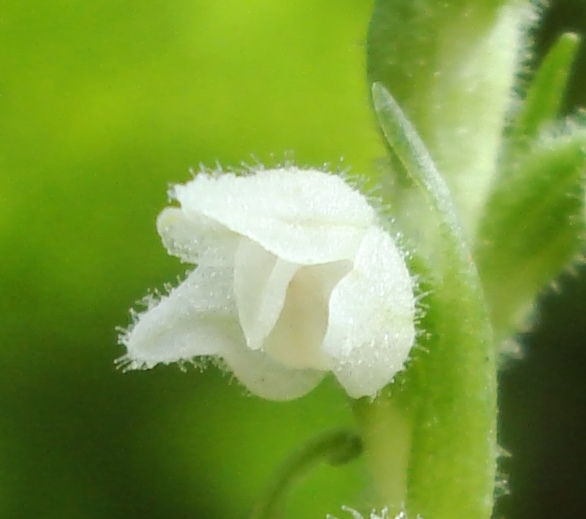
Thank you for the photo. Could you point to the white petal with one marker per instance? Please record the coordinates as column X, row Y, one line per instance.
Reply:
column 260, row 287
column 298, row 334
column 371, row 323
column 267, row 378
column 197, row 318
column 196, row 239
column 301, row 216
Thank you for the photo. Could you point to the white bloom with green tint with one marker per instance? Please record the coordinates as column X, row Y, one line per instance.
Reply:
column 295, row 278
column 384, row 514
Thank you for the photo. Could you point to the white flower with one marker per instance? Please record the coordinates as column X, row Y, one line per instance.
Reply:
column 384, row 514
column 294, row 279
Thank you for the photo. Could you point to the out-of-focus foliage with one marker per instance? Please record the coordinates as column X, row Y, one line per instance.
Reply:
column 102, row 105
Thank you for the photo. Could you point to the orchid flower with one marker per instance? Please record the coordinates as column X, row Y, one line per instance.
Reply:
column 294, row 278
column 384, row 514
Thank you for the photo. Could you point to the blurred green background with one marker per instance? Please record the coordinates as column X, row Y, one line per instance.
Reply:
column 102, row 106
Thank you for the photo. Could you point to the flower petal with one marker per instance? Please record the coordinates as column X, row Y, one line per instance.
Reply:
column 298, row 334
column 372, row 312
column 260, row 287
column 197, row 238
column 197, row 318
column 268, row 378
column 301, row 216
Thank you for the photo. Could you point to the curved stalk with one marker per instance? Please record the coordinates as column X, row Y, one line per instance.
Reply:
column 333, row 447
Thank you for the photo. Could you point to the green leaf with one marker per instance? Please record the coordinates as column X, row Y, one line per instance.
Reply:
column 546, row 92
column 404, row 141
column 449, row 391
column 451, row 66
column 533, row 226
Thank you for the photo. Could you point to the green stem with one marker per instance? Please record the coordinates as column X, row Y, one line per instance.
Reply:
column 386, row 434
column 449, row 390
column 333, row 447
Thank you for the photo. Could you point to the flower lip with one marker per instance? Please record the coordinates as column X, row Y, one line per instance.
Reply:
column 307, row 302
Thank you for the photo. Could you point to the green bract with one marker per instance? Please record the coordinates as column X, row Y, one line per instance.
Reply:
column 451, row 66
column 490, row 191
column 533, row 226
column 449, row 397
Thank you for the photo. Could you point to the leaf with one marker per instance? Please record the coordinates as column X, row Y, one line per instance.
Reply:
column 546, row 92
column 533, row 226
column 451, row 66
column 449, row 391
